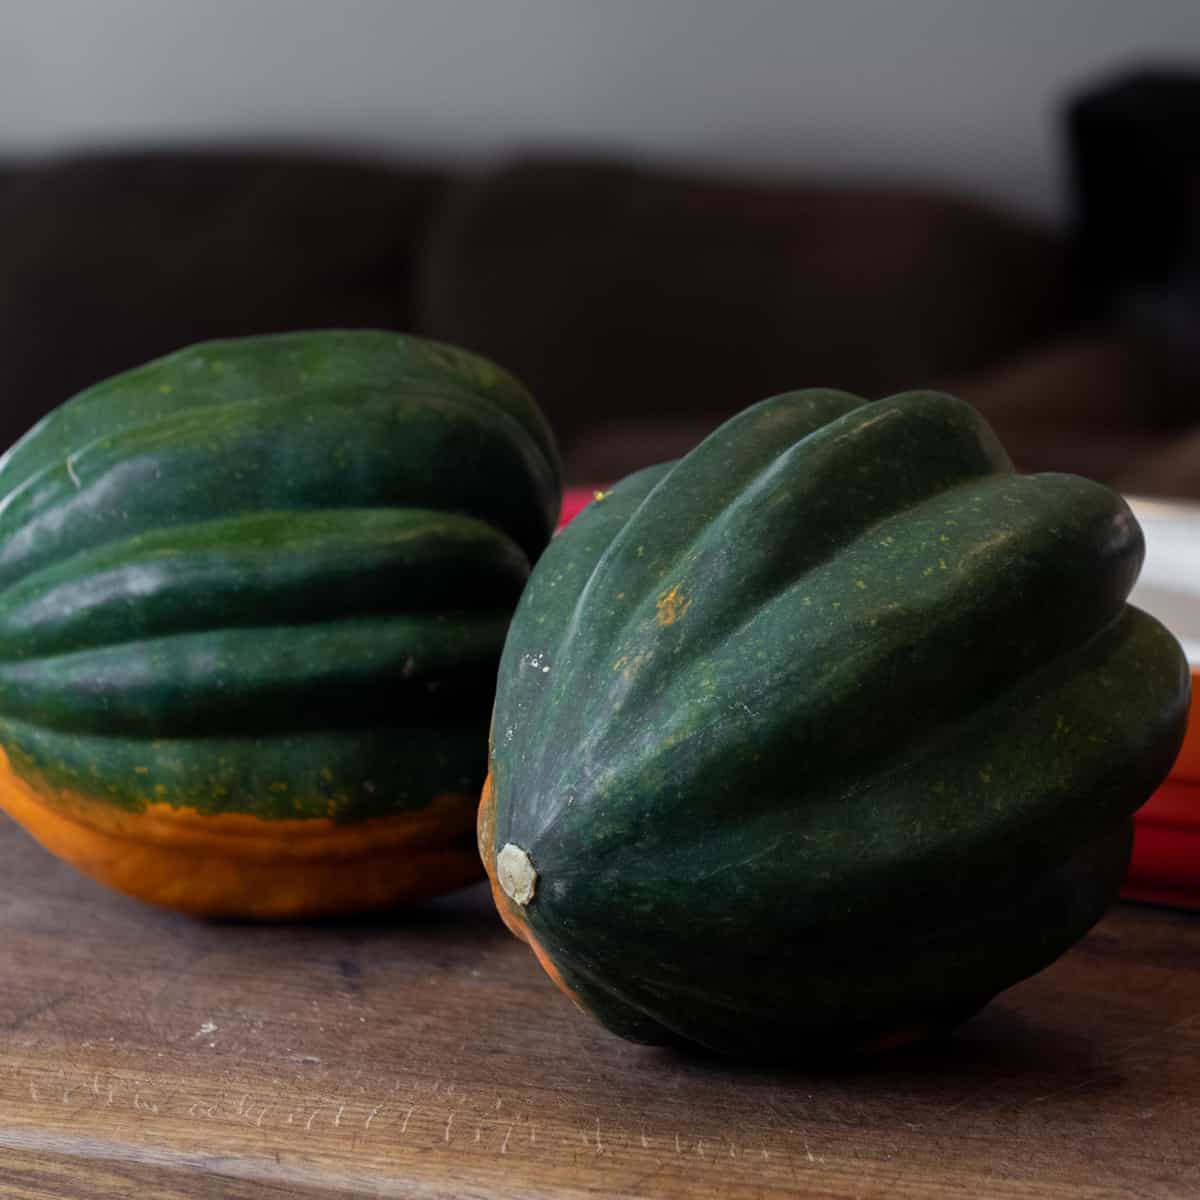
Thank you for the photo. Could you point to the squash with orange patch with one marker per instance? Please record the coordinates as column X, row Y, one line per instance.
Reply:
column 252, row 600
column 818, row 738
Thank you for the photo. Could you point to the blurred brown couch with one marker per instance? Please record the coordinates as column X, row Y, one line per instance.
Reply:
column 642, row 306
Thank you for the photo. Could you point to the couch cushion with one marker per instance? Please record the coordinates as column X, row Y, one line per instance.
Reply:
column 1090, row 403
column 1170, row 468
column 616, row 292
column 109, row 260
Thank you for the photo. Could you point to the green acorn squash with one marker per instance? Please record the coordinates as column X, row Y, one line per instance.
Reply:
column 252, row 600
column 818, row 738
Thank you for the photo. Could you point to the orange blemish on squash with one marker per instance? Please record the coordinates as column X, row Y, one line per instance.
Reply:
column 511, row 914
column 673, row 606
column 239, row 865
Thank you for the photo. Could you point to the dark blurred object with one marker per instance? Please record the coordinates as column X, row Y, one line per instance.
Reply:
column 109, row 260
column 1135, row 157
column 642, row 306
column 1134, row 146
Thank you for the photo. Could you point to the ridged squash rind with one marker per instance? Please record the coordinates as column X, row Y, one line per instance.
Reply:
column 252, row 600
column 823, row 735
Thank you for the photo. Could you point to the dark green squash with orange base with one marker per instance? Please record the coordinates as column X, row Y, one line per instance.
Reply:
column 252, row 600
column 816, row 739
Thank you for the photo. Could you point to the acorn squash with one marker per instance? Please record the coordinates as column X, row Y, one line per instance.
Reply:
column 252, row 600
column 816, row 739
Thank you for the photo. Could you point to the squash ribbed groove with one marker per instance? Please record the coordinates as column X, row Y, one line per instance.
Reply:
column 790, row 502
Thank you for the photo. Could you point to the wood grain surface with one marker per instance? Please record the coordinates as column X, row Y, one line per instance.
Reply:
column 425, row 1055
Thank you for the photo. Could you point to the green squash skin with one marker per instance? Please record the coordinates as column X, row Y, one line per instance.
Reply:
column 830, row 730
column 269, row 576
column 295, row 421
column 262, row 568
column 346, row 775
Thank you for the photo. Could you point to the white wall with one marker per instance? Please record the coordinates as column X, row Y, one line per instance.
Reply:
column 953, row 91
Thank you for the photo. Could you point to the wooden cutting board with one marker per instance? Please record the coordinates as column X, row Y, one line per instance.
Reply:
column 425, row 1055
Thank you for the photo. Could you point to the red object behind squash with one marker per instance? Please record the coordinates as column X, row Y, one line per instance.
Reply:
column 1166, row 847
column 575, row 499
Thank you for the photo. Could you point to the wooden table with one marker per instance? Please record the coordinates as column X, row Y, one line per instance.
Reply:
column 425, row 1055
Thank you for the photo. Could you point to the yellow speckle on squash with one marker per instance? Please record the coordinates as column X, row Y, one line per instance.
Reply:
column 629, row 667
column 673, row 605
column 279, row 786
